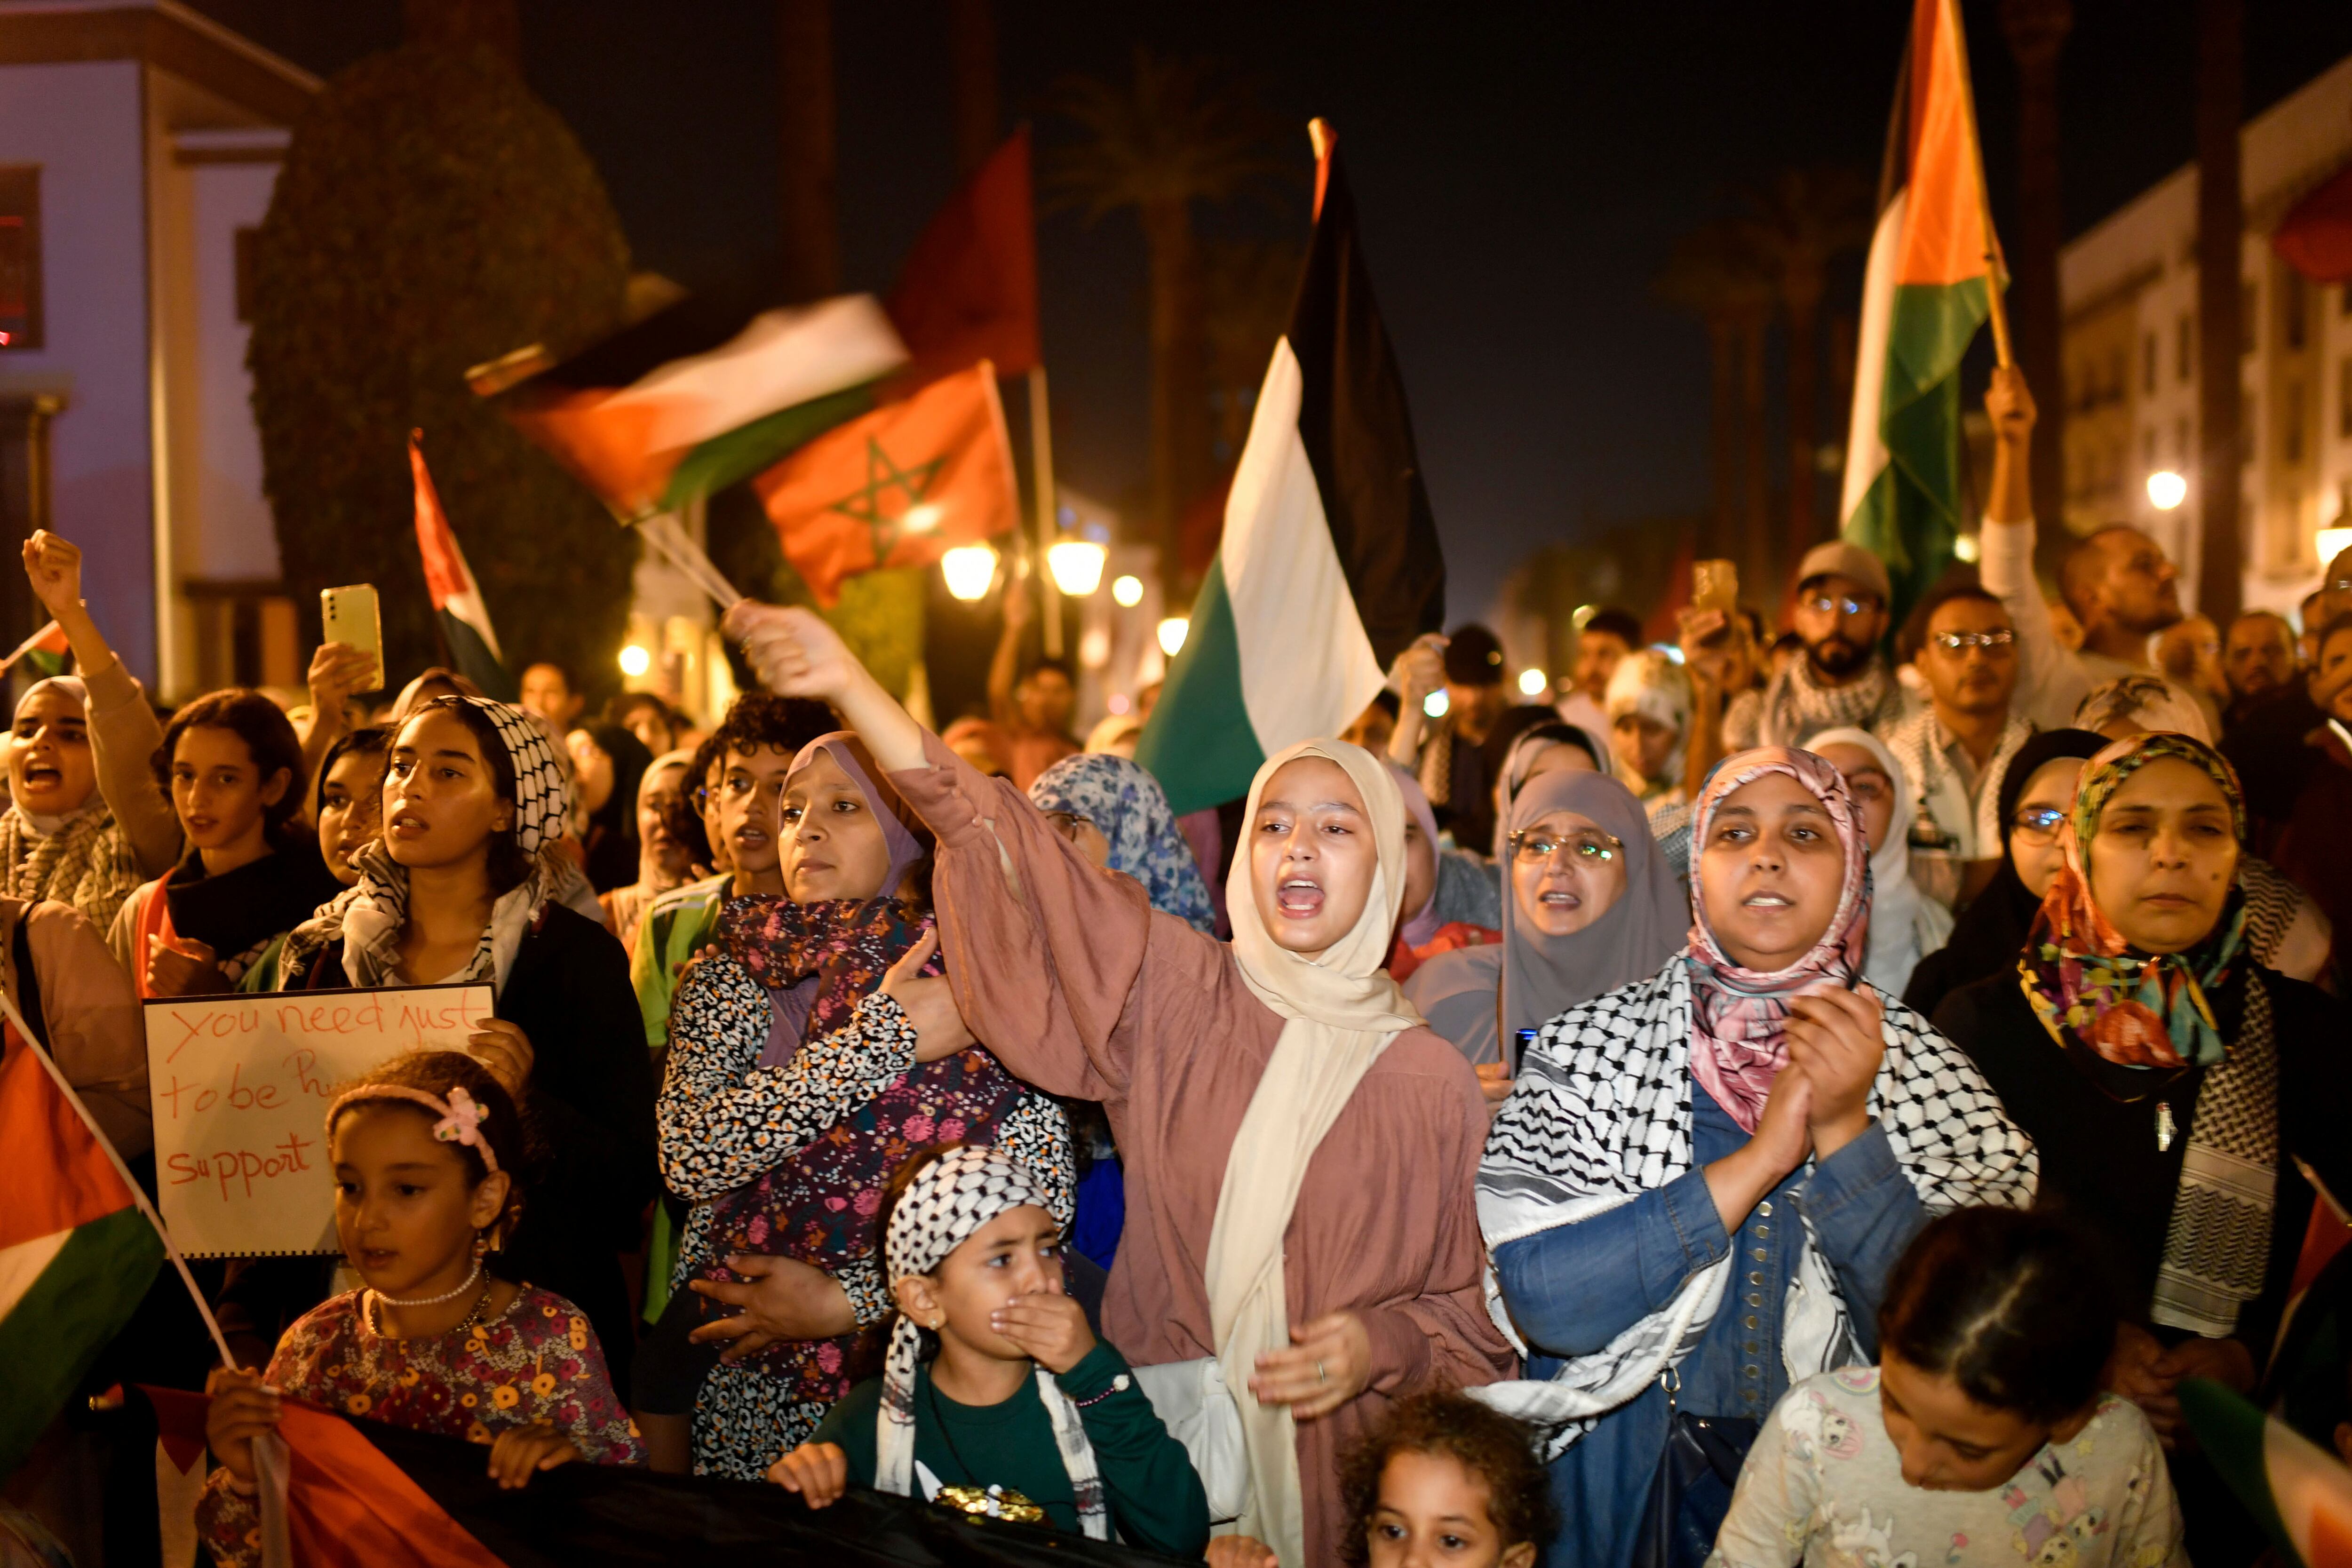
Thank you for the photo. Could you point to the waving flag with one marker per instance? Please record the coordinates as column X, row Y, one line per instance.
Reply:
column 1927, row 288
column 899, row 487
column 2299, row 1494
column 76, row 1255
column 457, row 598
column 1329, row 563
column 969, row 289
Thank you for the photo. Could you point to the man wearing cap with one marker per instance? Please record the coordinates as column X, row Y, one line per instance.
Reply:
column 1607, row 636
column 1841, row 595
column 2118, row 582
column 1453, row 772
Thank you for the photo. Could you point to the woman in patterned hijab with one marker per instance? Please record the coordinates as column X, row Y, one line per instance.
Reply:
column 1132, row 830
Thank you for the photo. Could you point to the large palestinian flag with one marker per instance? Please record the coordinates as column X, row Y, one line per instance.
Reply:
column 76, row 1255
column 1329, row 565
column 697, row 396
column 457, row 604
column 2299, row 1494
column 1926, row 291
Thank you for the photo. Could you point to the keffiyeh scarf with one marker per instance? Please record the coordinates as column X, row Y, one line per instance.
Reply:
column 1602, row 1113
column 948, row 1200
column 1127, row 808
column 87, row 862
column 1797, row 706
column 2156, row 1015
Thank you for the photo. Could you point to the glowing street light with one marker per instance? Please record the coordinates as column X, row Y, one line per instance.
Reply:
column 1171, row 634
column 1435, row 704
column 1077, row 565
column 2166, row 490
column 635, row 660
column 2333, row 543
column 1128, row 589
column 968, row 569
column 1534, row 683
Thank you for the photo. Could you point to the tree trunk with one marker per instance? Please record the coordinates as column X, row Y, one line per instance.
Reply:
column 495, row 24
column 971, row 51
column 1800, row 301
column 1758, row 565
column 805, row 123
column 2036, row 30
column 1179, row 399
column 1723, row 428
column 2220, row 342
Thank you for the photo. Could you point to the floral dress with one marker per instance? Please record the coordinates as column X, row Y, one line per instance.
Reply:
column 537, row 1361
column 792, row 1159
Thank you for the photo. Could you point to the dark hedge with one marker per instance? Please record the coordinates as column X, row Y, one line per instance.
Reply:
column 432, row 214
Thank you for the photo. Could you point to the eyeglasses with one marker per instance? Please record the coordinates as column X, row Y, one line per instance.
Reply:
column 1829, row 604
column 1960, row 642
column 1529, row 846
column 2038, row 822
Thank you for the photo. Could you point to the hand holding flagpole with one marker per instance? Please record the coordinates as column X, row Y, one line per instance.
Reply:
column 1996, row 271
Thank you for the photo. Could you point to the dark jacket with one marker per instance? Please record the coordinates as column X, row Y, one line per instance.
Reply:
column 2099, row 1158
column 590, row 1102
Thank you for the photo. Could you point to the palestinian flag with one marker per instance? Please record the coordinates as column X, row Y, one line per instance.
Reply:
column 899, row 487
column 1329, row 565
column 76, row 1254
column 2299, row 1493
column 1926, row 290
column 360, row 1494
column 697, row 396
column 457, row 598
column 47, row 648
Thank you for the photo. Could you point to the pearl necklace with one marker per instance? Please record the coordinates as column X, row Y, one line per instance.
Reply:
column 462, row 1286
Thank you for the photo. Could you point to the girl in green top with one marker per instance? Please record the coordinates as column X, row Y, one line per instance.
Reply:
column 1018, row 1412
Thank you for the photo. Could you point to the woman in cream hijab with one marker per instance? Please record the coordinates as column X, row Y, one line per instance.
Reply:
column 1300, row 1152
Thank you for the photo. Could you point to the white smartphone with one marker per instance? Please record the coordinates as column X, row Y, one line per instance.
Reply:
column 351, row 616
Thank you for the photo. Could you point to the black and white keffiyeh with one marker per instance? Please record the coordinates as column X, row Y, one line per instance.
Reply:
column 1602, row 1113
column 948, row 1200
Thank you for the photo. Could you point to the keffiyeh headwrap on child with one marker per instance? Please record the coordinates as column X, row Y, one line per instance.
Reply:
column 1739, row 1016
column 948, row 1200
column 1127, row 808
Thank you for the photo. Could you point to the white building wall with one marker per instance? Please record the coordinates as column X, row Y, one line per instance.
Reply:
column 82, row 123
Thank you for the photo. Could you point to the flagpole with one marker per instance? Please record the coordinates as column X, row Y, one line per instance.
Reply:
column 1995, row 271
column 138, row 1194
column 1041, row 459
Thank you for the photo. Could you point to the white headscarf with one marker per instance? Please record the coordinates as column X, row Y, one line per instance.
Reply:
column 1341, row 1011
column 1905, row 925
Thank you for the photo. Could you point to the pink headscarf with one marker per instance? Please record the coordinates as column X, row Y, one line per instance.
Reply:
column 1739, row 1017
column 1420, row 924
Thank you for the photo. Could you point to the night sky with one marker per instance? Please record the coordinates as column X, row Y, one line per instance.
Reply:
column 1522, row 172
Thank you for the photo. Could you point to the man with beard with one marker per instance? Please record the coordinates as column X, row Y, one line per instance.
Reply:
column 2257, row 658
column 1841, row 594
column 2118, row 582
column 1956, row 751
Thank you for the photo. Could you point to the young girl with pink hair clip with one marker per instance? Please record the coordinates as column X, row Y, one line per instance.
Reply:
column 427, row 1155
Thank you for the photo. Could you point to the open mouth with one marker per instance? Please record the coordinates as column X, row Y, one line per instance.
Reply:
column 1299, row 897
column 200, row 824
column 377, row 1257
column 1768, row 900
column 407, row 825
column 42, row 776
column 1561, row 900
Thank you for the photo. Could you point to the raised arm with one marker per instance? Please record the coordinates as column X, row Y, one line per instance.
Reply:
column 1418, row 671
column 2049, row 682
column 1006, row 664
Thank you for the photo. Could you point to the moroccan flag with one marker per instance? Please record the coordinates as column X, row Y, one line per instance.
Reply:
column 1329, row 563
column 969, row 289
column 899, row 487
column 1926, row 290
column 2299, row 1494
column 76, row 1255
column 698, row 396
column 457, row 598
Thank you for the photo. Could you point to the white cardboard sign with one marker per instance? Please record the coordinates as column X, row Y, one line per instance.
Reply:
column 241, row 1086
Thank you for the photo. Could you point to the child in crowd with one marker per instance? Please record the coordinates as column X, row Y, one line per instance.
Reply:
column 1019, row 1411
column 1981, row 1437
column 427, row 1155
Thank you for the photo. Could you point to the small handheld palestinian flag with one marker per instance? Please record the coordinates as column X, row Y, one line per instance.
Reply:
column 697, row 396
column 2299, row 1494
column 457, row 598
column 1329, row 563
column 47, row 648
column 899, row 487
column 1930, row 285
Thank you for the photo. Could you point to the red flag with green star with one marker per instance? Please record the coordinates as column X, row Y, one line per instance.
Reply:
column 899, row 487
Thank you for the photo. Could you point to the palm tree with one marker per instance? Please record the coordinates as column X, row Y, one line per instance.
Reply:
column 1801, row 222
column 1714, row 273
column 1170, row 135
column 2220, row 231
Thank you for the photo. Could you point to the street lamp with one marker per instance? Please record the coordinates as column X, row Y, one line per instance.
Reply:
column 1077, row 565
column 1534, row 683
column 2166, row 490
column 1436, row 703
column 968, row 569
column 2333, row 543
column 1128, row 589
column 1171, row 634
column 635, row 661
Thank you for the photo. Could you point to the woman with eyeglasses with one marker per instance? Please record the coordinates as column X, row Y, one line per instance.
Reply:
column 2180, row 1088
column 1591, row 905
column 1696, row 1190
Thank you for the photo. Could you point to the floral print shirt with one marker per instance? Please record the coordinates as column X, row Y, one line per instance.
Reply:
column 537, row 1361
column 1824, row 1487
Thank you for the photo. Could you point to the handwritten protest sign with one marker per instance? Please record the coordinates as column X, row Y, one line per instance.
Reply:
column 241, row 1086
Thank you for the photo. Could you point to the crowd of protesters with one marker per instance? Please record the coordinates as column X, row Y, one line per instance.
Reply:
column 1802, row 1102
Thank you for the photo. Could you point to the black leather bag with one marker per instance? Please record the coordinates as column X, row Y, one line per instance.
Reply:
column 1693, row 1489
